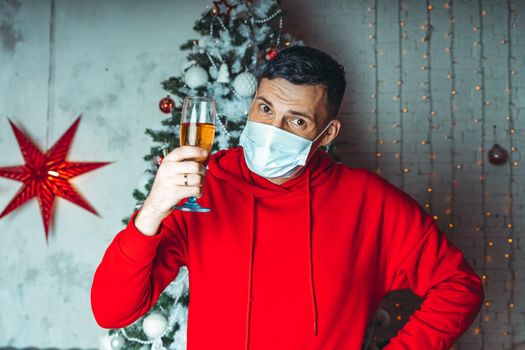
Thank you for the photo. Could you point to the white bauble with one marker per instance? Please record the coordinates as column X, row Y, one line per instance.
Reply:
column 117, row 342
column 185, row 64
column 195, row 76
column 154, row 325
column 245, row 84
column 224, row 75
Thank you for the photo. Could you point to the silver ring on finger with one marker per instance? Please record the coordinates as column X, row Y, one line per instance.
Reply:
column 185, row 179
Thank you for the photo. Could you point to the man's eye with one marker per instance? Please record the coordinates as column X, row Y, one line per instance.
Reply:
column 264, row 108
column 298, row 122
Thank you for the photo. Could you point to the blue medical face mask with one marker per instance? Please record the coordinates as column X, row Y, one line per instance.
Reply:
column 272, row 152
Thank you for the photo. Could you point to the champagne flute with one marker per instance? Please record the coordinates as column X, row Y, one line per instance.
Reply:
column 197, row 128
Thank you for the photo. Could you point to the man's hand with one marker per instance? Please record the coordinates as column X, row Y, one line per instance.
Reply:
column 179, row 176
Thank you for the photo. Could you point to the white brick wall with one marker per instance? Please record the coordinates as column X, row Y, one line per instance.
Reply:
column 342, row 28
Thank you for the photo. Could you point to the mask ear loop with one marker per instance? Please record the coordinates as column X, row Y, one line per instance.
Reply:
column 322, row 132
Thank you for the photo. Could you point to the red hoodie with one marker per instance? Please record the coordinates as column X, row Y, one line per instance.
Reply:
column 302, row 265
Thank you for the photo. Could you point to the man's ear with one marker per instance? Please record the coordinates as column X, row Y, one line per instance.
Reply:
column 331, row 133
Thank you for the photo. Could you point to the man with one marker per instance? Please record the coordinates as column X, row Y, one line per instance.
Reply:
column 298, row 252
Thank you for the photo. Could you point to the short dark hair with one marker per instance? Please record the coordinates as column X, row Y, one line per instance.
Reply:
column 305, row 65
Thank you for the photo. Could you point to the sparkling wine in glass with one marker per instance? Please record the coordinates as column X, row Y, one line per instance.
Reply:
column 197, row 128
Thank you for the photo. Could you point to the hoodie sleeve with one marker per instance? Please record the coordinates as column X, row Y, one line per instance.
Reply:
column 421, row 258
column 134, row 271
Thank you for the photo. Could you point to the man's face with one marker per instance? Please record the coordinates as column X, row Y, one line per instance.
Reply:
column 299, row 109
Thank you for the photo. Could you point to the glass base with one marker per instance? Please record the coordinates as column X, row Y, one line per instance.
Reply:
column 191, row 205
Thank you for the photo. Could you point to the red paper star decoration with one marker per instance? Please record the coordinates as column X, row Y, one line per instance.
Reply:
column 46, row 176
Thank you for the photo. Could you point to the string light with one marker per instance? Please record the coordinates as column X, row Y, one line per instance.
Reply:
column 401, row 102
column 376, row 89
column 487, row 259
column 509, row 118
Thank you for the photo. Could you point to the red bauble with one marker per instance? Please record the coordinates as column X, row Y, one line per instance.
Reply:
column 46, row 176
column 270, row 53
column 498, row 155
column 167, row 104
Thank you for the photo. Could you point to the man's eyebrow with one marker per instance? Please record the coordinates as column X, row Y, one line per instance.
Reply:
column 302, row 114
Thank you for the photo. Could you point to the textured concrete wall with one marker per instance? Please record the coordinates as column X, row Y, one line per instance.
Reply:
column 109, row 59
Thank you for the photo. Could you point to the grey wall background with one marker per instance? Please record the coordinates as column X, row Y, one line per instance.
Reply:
column 110, row 57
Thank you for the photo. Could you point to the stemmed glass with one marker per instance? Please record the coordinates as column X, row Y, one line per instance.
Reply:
column 197, row 128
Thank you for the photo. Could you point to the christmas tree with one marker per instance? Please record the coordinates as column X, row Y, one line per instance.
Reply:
column 236, row 39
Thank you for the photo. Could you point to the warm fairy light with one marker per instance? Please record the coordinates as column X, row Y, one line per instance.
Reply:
column 398, row 317
column 399, row 82
column 429, row 189
column 487, row 303
column 378, row 154
column 405, row 170
column 486, row 318
column 511, row 305
column 427, row 205
column 451, row 225
column 484, row 277
column 435, row 217
column 512, row 131
column 507, row 255
column 509, row 225
column 478, row 87
column 434, row 113
column 490, row 243
column 509, row 240
column 404, row 110
column 430, row 7
column 424, row 97
column 371, row 36
column 453, row 92
column 397, row 305
column 515, row 163
column 458, row 166
column 397, row 155
column 477, row 330
column 488, row 258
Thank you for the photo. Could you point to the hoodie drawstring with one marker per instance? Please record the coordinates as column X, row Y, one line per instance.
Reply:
column 310, row 258
column 252, row 247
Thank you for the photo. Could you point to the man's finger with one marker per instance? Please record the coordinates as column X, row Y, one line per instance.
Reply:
column 186, row 152
column 185, row 167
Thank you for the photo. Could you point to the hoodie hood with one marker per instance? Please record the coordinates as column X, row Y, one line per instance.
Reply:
column 230, row 166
